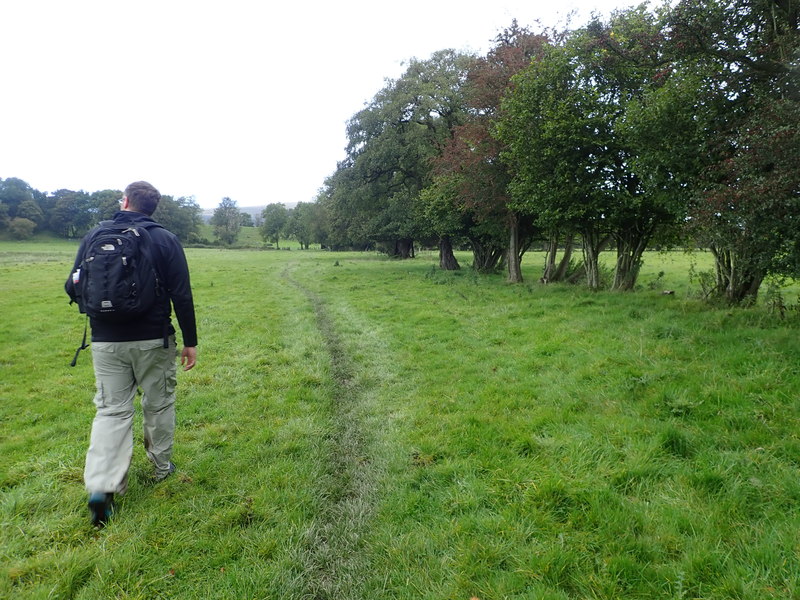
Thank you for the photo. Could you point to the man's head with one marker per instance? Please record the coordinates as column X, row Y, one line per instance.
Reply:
column 141, row 197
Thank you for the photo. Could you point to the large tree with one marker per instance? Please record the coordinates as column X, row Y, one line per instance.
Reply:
column 573, row 125
column 30, row 210
column 72, row 214
column 182, row 216
column 104, row 204
column 246, row 219
column 746, row 198
column 391, row 144
column 303, row 224
column 13, row 192
column 627, row 57
column 4, row 218
column 555, row 128
column 473, row 181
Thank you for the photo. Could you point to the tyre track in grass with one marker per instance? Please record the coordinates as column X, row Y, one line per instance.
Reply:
column 334, row 565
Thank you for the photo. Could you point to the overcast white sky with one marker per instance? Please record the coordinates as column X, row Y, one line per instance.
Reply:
column 212, row 98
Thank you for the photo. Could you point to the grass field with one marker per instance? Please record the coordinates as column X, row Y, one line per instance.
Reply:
column 364, row 428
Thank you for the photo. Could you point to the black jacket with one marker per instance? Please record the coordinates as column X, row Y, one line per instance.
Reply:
column 171, row 266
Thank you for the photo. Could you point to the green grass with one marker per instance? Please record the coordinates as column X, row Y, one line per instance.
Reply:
column 381, row 429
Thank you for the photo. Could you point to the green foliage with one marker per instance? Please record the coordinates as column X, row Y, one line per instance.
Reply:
column 246, row 219
column 550, row 124
column 226, row 221
column 751, row 205
column 557, row 129
column 275, row 218
column 105, row 204
column 70, row 214
column 574, row 167
column 436, row 206
column 745, row 196
column 372, row 197
column 182, row 216
column 13, row 193
column 21, row 229
column 305, row 224
column 30, row 210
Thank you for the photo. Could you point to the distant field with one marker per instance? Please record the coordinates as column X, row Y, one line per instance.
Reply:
column 248, row 237
column 365, row 428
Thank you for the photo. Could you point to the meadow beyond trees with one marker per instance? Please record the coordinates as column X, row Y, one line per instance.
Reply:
column 365, row 428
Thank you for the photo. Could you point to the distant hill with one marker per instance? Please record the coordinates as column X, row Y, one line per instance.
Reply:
column 254, row 211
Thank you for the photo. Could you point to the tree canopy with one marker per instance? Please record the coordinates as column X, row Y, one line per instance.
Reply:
column 677, row 125
column 226, row 221
column 275, row 218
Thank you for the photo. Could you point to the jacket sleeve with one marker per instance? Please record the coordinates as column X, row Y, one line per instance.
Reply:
column 179, row 289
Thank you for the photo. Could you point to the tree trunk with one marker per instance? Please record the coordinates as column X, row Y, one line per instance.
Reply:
column 514, row 260
column 630, row 249
column 447, row 260
column 722, row 268
column 737, row 279
column 404, row 248
column 592, row 243
column 561, row 271
column 552, row 272
column 577, row 274
column 590, row 262
column 550, row 259
column 485, row 257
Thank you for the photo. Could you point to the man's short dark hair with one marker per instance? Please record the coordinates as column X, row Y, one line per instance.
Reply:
column 142, row 197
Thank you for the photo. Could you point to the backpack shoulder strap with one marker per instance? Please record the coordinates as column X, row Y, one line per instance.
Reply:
column 142, row 230
column 146, row 250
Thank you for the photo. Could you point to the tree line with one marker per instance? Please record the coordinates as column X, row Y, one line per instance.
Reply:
column 25, row 211
column 70, row 214
column 677, row 126
column 304, row 223
column 654, row 128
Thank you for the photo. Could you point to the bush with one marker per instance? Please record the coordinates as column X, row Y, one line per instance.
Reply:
column 21, row 229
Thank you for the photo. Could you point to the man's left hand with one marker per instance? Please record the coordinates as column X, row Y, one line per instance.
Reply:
column 188, row 357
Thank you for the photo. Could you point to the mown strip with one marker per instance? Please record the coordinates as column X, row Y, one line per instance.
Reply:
column 335, row 567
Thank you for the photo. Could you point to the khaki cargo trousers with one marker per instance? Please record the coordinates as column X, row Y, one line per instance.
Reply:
column 120, row 369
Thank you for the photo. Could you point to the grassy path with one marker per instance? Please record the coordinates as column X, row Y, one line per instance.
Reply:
column 334, row 563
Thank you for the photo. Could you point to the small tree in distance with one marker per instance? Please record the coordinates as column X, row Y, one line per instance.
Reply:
column 246, row 219
column 275, row 217
column 226, row 221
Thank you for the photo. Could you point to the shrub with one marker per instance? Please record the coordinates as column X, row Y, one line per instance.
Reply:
column 21, row 229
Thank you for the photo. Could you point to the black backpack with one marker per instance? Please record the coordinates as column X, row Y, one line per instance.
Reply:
column 116, row 280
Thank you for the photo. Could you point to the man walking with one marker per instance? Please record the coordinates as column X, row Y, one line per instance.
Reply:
column 134, row 353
